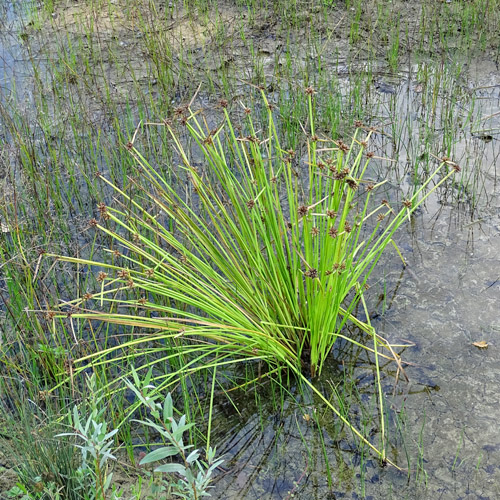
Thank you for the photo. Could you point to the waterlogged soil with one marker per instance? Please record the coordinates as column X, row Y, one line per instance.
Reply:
column 443, row 304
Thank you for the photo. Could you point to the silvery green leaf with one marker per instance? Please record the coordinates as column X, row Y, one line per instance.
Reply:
column 104, row 459
column 168, row 408
column 67, row 434
column 76, row 418
column 182, row 421
column 194, row 455
column 159, row 454
column 214, row 466
column 110, row 434
column 149, row 423
column 172, row 468
column 108, row 481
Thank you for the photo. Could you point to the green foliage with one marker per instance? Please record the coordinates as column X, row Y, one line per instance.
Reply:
column 195, row 474
column 96, row 445
column 266, row 258
column 90, row 477
column 46, row 466
column 263, row 258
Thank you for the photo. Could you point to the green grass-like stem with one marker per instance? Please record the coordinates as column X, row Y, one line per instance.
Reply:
column 264, row 259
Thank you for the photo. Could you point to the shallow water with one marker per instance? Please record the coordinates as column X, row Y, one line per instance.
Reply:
column 445, row 300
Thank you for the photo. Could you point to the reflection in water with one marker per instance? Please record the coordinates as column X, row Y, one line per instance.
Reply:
column 15, row 66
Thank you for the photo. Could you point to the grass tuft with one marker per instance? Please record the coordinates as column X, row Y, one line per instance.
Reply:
column 261, row 255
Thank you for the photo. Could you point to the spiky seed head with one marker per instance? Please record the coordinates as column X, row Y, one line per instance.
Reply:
column 50, row 315
column 123, row 274
column 370, row 154
column 311, row 273
column 302, row 210
column 407, row 203
column 333, row 232
column 331, row 214
column 352, row 184
column 347, row 227
column 342, row 146
column 101, row 276
column 180, row 110
column 358, row 123
column 250, row 204
column 314, row 231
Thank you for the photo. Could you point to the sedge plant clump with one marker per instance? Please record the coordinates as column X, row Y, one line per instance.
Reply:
column 261, row 255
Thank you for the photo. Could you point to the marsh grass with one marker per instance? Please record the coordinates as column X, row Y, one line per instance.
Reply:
column 261, row 256
column 37, row 456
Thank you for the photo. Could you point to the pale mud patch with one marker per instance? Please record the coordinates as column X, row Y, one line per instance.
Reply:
column 121, row 45
column 8, row 479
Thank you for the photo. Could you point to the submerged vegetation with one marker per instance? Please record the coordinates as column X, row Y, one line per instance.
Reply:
column 223, row 248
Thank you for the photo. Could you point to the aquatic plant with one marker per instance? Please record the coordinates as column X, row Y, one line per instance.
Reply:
column 40, row 460
column 265, row 257
column 95, row 441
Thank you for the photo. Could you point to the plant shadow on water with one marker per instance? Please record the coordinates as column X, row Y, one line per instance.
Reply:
column 295, row 447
